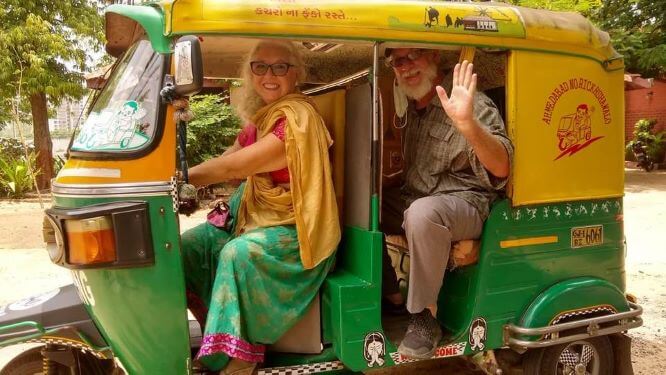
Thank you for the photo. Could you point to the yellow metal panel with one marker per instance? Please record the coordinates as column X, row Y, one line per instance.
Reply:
column 159, row 165
column 566, row 118
column 528, row 241
column 498, row 25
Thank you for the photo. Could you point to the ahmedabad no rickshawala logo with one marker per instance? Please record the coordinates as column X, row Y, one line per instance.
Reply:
column 575, row 129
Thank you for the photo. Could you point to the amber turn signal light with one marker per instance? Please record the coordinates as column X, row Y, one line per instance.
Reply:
column 90, row 240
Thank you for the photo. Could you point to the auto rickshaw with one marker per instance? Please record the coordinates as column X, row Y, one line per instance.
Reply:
column 542, row 291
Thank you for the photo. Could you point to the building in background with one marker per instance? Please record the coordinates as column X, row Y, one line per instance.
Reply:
column 644, row 98
column 66, row 116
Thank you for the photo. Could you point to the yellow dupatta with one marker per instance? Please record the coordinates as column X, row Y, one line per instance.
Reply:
column 311, row 203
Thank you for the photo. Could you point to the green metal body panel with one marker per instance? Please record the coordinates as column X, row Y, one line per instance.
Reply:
column 351, row 296
column 506, row 281
column 150, row 18
column 571, row 295
column 141, row 312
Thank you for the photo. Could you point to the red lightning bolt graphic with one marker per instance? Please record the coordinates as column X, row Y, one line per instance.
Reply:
column 575, row 148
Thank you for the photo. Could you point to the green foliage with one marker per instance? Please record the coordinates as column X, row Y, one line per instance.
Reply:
column 15, row 179
column 637, row 28
column 43, row 51
column 12, row 149
column 582, row 6
column 655, row 143
column 58, row 163
column 213, row 129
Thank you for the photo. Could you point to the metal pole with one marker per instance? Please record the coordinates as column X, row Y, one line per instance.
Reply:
column 375, row 138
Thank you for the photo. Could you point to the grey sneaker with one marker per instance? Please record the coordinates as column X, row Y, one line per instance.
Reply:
column 423, row 335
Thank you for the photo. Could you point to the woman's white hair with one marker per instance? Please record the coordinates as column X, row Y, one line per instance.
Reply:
column 250, row 101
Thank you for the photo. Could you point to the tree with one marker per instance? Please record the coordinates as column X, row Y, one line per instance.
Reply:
column 43, row 47
column 582, row 6
column 637, row 28
column 213, row 129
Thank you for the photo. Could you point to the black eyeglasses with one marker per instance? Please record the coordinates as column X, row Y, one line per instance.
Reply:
column 404, row 60
column 278, row 69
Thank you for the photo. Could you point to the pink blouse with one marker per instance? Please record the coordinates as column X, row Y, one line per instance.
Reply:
column 248, row 136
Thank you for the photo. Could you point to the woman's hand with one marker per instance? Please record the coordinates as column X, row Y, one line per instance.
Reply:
column 460, row 105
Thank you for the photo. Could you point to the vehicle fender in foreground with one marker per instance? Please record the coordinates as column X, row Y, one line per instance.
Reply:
column 581, row 296
column 55, row 317
column 575, row 309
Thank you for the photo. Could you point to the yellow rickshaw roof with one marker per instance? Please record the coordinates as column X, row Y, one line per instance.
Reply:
column 484, row 24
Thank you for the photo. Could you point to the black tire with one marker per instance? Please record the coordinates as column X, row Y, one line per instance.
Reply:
column 555, row 361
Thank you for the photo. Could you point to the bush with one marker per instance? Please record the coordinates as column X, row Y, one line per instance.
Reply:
column 213, row 129
column 12, row 148
column 15, row 178
column 58, row 163
column 655, row 143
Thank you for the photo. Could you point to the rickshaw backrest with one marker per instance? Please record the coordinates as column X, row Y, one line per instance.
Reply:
column 331, row 107
column 347, row 117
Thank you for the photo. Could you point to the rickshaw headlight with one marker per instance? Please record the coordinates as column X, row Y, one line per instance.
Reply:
column 90, row 240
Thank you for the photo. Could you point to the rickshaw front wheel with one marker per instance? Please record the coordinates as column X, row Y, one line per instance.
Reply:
column 592, row 356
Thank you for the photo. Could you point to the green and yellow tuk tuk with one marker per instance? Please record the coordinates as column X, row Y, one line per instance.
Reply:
column 542, row 290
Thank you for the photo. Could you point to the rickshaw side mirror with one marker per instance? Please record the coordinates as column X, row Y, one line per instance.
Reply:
column 188, row 78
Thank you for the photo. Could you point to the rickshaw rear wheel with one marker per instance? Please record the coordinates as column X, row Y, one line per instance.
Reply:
column 32, row 362
column 592, row 356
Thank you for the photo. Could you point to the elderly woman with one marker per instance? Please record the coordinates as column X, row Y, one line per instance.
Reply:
column 254, row 282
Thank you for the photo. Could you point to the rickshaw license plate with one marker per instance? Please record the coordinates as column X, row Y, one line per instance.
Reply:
column 587, row 236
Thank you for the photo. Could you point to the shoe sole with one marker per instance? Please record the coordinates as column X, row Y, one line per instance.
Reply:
column 407, row 352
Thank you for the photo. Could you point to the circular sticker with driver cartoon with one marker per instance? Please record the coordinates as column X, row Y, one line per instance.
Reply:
column 30, row 302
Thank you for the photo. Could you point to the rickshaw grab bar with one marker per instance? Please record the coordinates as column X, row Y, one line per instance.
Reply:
column 624, row 321
column 36, row 330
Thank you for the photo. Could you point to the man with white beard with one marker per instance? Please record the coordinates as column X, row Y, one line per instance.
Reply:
column 457, row 159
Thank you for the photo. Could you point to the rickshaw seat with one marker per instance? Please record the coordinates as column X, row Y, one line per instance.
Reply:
column 463, row 253
column 305, row 335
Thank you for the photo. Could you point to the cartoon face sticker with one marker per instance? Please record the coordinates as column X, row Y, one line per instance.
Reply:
column 478, row 334
column 374, row 349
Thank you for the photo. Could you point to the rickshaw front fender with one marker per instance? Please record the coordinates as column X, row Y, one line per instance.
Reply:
column 55, row 317
column 574, row 297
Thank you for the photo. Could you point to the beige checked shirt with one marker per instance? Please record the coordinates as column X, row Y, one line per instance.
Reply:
column 439, row 160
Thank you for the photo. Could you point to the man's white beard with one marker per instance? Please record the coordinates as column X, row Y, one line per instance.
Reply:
column 427, row 82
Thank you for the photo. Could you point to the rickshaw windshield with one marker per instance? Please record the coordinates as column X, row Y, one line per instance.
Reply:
column 124, row 119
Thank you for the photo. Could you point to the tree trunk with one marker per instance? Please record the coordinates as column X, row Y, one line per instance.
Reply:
column 43, row 144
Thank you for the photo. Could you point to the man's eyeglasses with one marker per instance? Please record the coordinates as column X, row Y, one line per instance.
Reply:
column 278, row 69
column 401, row 61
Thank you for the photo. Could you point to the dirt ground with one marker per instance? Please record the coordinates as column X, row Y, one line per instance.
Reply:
column 26, row 270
